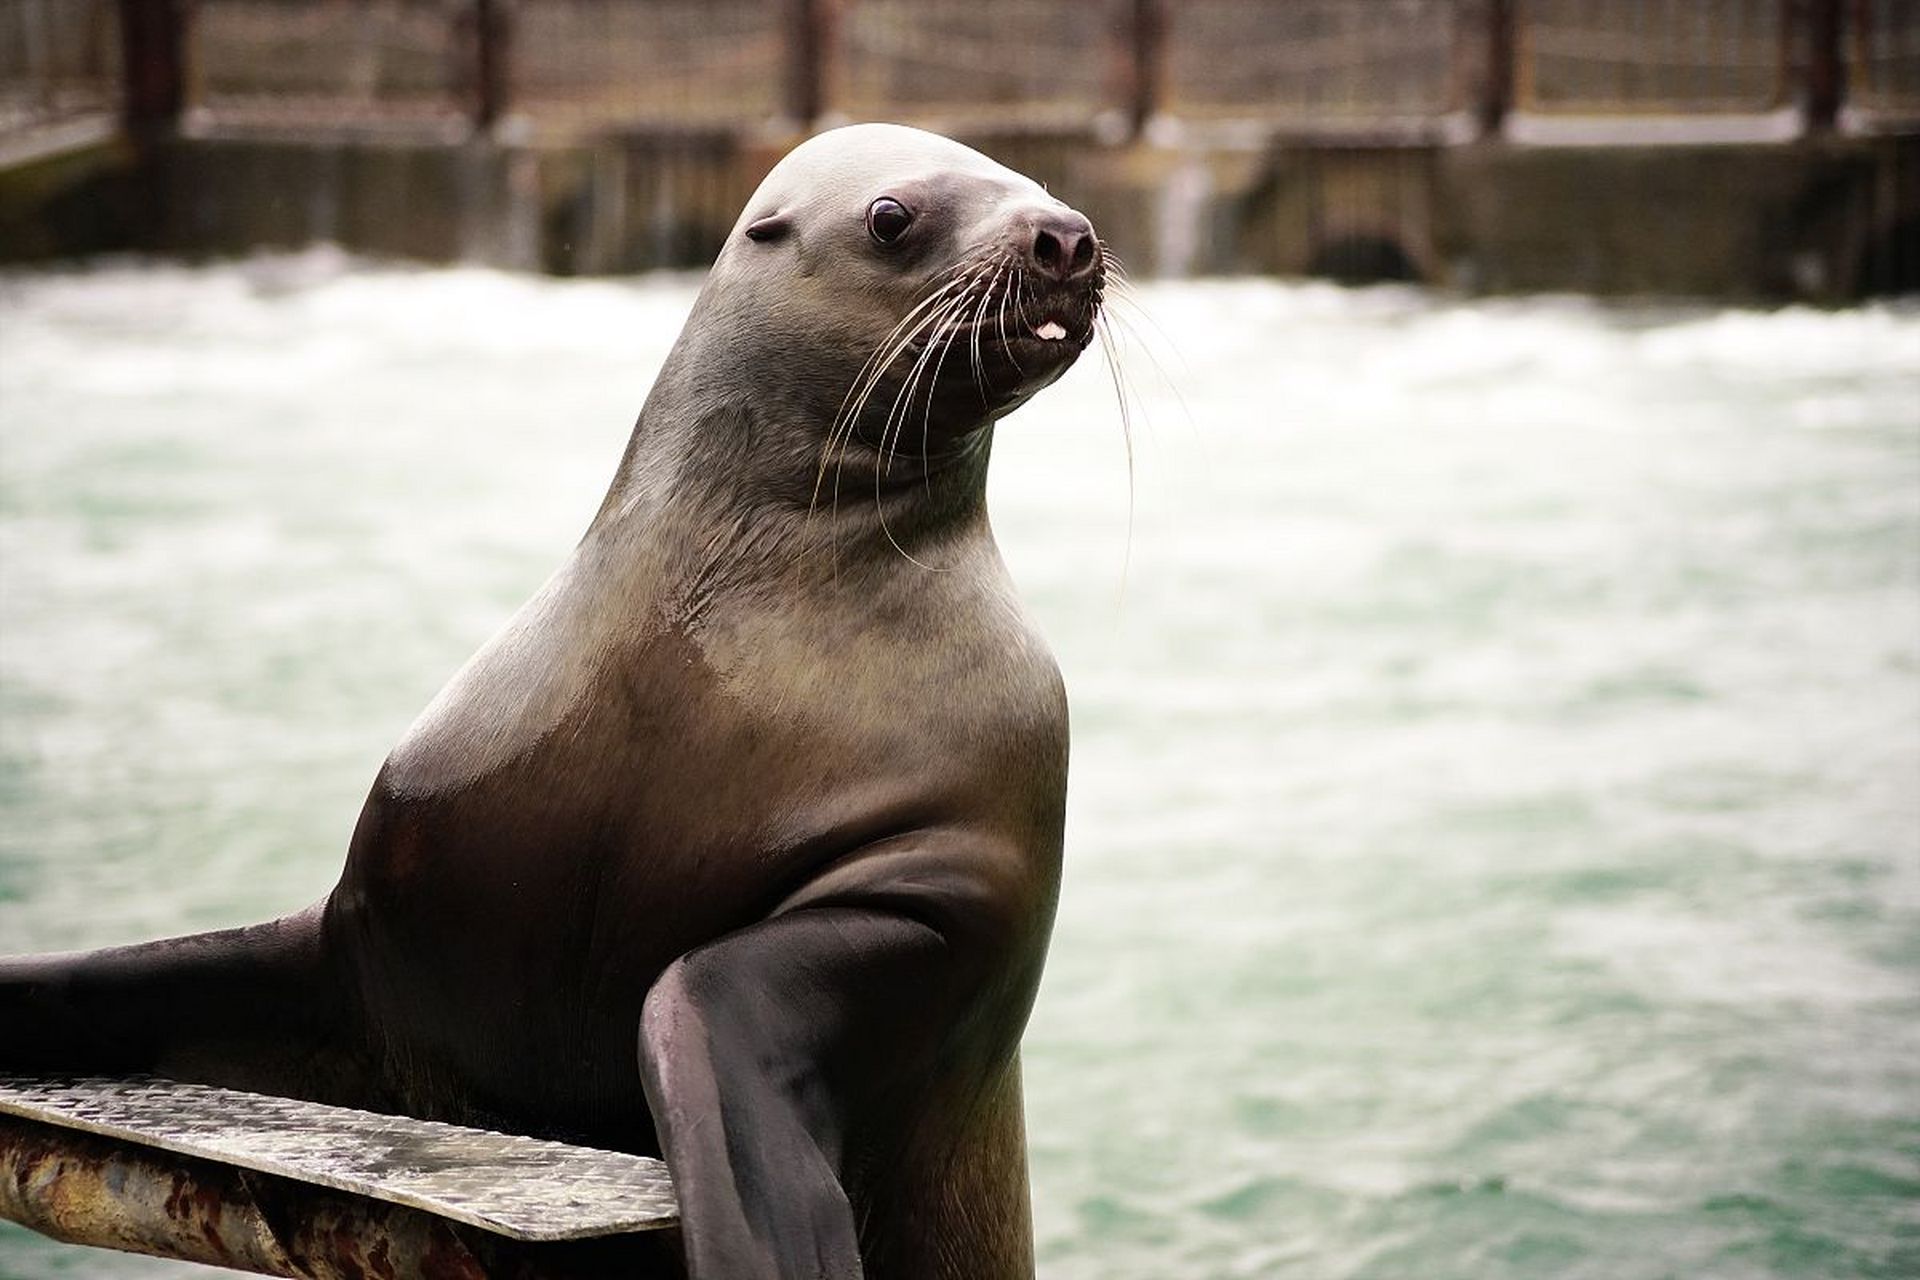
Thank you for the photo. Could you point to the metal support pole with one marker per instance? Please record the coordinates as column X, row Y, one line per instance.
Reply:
column 810, row 24
column 492, row 32
column 1496, row 84
column 153, row 44
column 1826, row 68
column 1149, row 63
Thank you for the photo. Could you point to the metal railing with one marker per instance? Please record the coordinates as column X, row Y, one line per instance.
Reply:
column 1415, row 70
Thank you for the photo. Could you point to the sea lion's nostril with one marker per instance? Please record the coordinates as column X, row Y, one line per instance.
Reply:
column 1047, row 251
column 1082, row 254
column 1063, row 247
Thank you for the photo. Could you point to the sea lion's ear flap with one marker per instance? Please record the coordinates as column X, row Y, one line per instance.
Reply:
column 772, row 226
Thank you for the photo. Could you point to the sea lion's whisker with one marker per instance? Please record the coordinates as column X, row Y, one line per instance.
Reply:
column 941, row 342
column 1020, row 308
column 1001, row 317
column 930, row 322
column 869, row 376
column 945, row 339
column 842, row 432
column 943, row 315
column 903, row 406
column 903, row 402
column 979, row 318
column 1124, row 396
column 961, row 277
column 933, row 333
column 1124, row 329
column 881, row 357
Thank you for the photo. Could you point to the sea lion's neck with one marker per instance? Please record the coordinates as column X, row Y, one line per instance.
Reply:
column 709, row 456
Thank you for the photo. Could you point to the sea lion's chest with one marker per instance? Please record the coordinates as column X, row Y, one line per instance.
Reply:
column 584, row 804
column 690, row 775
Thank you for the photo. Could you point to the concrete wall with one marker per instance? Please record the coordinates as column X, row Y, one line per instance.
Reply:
column 1819, row 219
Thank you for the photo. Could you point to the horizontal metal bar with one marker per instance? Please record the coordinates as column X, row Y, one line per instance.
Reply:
column 86, row 1189
column 522, row 1188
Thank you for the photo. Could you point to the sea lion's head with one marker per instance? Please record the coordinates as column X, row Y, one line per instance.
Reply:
column 901, row 289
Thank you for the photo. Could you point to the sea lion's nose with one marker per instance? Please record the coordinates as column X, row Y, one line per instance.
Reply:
column 1061, row 245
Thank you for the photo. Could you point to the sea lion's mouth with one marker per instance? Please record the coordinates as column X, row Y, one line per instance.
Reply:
column 985, row 336
column 1052, row 323
column 1015, row 339
column 1065, row 322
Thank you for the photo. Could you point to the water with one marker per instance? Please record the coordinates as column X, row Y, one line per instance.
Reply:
column 1494, row 845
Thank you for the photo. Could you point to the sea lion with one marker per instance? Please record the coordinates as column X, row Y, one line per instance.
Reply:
column 741, row 842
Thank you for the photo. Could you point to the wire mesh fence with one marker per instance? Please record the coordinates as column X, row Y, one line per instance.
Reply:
column 1608, row 57
column 1317, row 63
column 58, row 59
column 1882, row 58
column 1420, row 69
column 294, row 61
column 1033, row 63
column 584, row 63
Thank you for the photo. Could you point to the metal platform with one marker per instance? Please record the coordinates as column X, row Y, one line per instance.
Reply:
column 521, row 1188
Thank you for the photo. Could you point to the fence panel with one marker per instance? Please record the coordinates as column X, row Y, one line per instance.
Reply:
column 1628, row 57
column 1039, row 64
column 1320, row 65
column 389, row 62
column 579, row 64
column 1881, row 47
column 59, row 59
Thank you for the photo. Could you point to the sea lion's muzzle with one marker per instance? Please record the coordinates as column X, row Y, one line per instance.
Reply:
column 1053, row 287
column 1014, row 305
column 1059, row 245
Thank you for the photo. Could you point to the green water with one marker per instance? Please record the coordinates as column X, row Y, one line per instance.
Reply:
column 1494, row 845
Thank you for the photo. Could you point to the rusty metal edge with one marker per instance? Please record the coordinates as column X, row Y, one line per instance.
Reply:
column 89, row 1190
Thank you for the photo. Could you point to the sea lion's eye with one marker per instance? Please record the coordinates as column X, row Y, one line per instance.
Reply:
column 888, row 219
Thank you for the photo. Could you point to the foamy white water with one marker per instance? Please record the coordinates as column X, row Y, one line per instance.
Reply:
column 1494, row 845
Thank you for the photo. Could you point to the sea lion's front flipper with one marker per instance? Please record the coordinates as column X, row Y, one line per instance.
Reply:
column 256, row 1008
column 775, row 1058
column 755, row 1051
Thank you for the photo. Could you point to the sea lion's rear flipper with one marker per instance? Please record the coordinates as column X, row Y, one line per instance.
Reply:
column 252, row 1008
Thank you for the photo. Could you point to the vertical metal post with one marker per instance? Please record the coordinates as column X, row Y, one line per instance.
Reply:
column 1496, row 84
column 153, row 43
column 1149, row 63
column 492, row 82
column 808, row 34
column 36, row 34
column 1825, row 69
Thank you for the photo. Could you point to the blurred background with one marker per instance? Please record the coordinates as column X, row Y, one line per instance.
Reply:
column 1494, row 840
column 1738, row 148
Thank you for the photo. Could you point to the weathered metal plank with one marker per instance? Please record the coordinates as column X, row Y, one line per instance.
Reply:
column 522, row 1188
column 109, row 1193
column 90, row 1190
